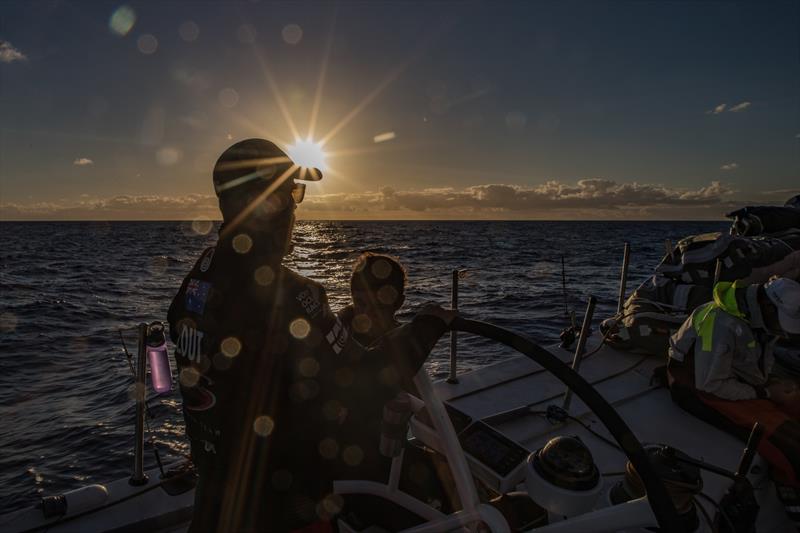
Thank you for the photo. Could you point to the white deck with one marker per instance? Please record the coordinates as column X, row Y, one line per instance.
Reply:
column 648, row 410
column 500, row 387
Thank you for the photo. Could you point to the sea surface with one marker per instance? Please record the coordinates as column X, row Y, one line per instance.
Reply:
column 70, row 291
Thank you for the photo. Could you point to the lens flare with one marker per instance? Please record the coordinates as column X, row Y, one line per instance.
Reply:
column 307, row 154
column 122, row 20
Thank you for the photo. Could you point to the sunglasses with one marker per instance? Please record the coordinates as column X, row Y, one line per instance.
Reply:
column 298, row 192
column 263, row 174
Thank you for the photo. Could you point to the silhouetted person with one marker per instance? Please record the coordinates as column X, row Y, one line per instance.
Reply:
column 377, row 289
column 265, row 366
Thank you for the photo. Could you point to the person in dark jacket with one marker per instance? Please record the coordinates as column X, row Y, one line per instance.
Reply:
column 263, row 362
column 377, row 289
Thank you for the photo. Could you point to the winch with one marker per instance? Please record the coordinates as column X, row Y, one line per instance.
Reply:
column 681, row 478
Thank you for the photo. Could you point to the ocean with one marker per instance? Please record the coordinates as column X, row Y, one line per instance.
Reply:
column 70, row 291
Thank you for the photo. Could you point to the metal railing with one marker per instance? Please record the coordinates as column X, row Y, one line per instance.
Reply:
column 453, row 378
column 139, row 477
column 585, row 326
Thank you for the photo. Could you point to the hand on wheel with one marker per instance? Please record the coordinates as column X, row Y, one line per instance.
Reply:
column 446, row 315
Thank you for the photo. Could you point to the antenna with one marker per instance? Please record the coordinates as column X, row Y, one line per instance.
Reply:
column 564, row 285
column 717, row 272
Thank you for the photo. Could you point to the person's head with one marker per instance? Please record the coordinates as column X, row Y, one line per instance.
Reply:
column 779, row 302
column 255, row 184
column 377, row 285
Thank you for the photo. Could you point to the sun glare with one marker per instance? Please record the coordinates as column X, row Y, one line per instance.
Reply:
column 307, row 154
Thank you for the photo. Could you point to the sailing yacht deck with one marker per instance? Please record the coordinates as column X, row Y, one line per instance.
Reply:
column 509, row 396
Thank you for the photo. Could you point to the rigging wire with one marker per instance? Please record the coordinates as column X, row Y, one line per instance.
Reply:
column 151, row 439
column 705, row 514
column 719, row 509
column 557, row 414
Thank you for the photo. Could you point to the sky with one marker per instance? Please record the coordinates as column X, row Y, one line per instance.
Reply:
column 429, row 110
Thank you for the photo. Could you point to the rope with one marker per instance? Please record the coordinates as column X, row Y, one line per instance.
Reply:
column 555, row 413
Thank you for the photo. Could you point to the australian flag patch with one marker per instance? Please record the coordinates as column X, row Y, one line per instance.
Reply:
column 196, row 295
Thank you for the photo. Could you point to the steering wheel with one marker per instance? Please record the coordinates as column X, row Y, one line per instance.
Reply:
column 659, row 501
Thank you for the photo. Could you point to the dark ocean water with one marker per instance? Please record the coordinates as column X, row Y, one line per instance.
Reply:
column 67, row 289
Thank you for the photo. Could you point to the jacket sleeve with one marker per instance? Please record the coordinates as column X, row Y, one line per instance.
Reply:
column 714, row 372
column 682, row 341
column 390, row 364
column 406, row 348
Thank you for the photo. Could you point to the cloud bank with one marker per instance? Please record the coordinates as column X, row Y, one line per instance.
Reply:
column 596, row 198
column 122, row 207
column 587, row 198
column 9, row 54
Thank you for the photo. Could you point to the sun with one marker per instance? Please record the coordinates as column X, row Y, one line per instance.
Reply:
column 307, row 154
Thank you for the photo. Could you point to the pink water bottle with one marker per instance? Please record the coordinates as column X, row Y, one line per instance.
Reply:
column 157, row 356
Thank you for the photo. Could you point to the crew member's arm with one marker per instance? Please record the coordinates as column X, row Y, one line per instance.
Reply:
column 407, row 347
column 682, row 341
column 394, row 359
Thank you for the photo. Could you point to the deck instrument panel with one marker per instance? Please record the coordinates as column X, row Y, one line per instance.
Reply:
column 492, row 448
column 493, row 458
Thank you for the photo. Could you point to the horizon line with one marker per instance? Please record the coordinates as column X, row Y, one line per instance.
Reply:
column 723, row 219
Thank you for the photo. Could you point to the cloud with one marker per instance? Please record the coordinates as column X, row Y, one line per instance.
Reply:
column 721, row 108
column 121, row 207
column 729, row 166
column 781, row 191
column 9, row 54
column 594, row 197
column 587, row 198
column 83, row 161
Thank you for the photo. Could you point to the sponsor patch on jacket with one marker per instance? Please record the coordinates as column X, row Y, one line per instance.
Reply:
column 196, row 295
column 200, row 398
column 190, row 343
column 309, row 299
column 337, row 336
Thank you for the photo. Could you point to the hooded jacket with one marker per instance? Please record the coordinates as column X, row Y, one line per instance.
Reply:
column 732, row 353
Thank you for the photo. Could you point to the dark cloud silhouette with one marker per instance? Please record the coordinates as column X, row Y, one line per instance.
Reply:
column 123, row 207
column 588, row 198
column 594, row 193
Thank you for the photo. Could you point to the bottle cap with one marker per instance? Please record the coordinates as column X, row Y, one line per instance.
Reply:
column 155, row 334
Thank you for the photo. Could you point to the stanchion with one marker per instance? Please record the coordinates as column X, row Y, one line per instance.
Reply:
column 139, row 477
column 623, row 277
column 581, row 347
column 453, row 378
